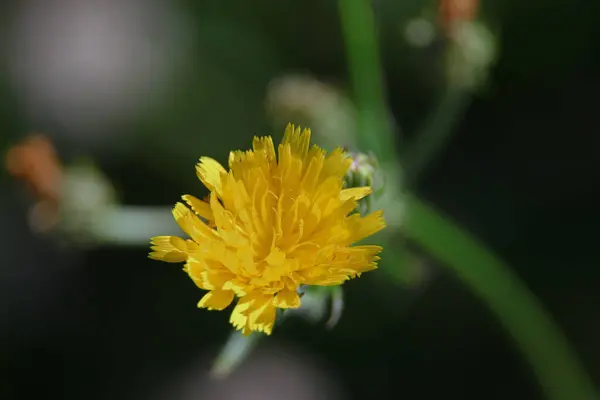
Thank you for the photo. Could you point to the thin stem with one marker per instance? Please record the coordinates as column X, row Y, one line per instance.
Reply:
column 337, row 307
column 358, row 25
column 438, row 128
column 233, row 354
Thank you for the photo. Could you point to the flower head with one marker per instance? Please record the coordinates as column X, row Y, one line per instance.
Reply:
column 271, row 224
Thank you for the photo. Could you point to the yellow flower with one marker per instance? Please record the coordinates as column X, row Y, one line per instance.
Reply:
column 270, row 225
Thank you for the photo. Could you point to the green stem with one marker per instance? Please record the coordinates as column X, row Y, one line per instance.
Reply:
column 536, row 334
column 438, row 128
column 234, row 353
column 358, row 25
column 337, row 306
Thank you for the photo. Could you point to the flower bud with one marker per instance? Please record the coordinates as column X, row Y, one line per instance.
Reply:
column 365, row 171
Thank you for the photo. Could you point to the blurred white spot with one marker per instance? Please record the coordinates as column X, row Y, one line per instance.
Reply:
column 419, row 32
column 305, row 100
column 473, row 52
column 92, row 66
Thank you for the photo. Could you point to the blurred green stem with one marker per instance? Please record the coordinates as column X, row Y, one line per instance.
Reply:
column 134, row 225
column 523, row 316
column 337, row 306
column 539, row 338
column 233, row 354
column 358, row 25
column 438, row 128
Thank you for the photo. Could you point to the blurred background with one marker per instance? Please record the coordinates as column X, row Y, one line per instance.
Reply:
column 107, row 105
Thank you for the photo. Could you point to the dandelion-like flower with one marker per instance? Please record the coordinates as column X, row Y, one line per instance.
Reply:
column 270, row 225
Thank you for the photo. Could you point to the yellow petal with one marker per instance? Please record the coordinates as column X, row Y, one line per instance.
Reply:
column 329, row 280
column 313, row 170
column 261, row 314
column 298, row 140
column 360, row 228
column 239, row 317
column 356, row 193
column 202, row 208
column 263, row 320
column 168, row 257
column 193, row 226
column 336, row 164
column 287, row 299
column 275, row 258
column 273, row 273
column 236, row 286
column 265, row 144
column 170, row 249
column 216, row 279
column 254, row 312
column 216, row 299
column 209, row 171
